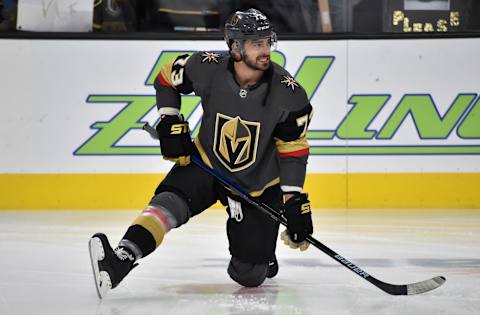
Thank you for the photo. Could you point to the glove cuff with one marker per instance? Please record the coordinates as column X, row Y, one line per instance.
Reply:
column 291, row 189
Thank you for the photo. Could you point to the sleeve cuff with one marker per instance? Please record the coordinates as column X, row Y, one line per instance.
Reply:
column 170, row 111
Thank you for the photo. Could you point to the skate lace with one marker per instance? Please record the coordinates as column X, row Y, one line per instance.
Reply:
column 122, row 254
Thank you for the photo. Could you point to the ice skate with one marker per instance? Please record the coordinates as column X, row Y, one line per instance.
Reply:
column 109, row 266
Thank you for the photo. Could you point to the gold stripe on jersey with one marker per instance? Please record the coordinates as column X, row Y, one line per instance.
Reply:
column 291, row 146
column 258, row 193
column 166, row 73
column 203, row 155
column 268, row 185
column 153, row 225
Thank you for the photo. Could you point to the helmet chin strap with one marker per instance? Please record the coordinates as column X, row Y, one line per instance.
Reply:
column 235, row 56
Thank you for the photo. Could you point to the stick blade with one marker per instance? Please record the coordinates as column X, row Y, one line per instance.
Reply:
column 425, row 286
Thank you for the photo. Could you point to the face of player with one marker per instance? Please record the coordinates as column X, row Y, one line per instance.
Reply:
column 257, row 53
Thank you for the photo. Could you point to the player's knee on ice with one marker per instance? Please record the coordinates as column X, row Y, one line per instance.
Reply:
column 247, row 274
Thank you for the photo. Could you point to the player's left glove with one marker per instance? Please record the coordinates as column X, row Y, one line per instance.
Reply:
column 175, row 141
column 299, row 221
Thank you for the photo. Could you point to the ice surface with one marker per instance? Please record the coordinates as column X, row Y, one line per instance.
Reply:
column 45, row 267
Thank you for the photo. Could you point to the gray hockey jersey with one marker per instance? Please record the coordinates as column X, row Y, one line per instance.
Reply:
column 255, row 136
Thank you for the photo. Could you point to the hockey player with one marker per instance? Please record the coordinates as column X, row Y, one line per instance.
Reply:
column 253, row 131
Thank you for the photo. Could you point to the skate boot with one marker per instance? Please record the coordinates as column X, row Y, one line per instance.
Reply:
column 109, row 266
column 272, row 267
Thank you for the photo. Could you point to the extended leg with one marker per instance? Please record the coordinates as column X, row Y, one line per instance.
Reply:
column 176, row 199
column 165, row 211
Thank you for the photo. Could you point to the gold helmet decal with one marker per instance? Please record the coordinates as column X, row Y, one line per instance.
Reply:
column 235, row 143
column 234, row 20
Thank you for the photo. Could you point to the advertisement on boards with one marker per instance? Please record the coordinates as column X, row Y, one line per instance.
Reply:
column 380, row 106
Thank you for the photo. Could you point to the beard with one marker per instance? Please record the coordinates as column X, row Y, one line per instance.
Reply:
column 257, row 64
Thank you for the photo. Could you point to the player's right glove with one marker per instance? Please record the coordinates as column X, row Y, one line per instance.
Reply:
column 299, row 221
column 175, row 141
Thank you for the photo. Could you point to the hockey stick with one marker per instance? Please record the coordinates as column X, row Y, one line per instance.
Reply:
column 394, row 289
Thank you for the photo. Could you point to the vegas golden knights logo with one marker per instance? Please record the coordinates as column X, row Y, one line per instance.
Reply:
column 234, row 20
column 235, row 143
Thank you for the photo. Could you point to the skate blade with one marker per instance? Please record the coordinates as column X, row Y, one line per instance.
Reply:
column 103, row 284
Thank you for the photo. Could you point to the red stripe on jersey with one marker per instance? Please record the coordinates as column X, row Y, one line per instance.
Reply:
column 298, row 153
column 162, row 80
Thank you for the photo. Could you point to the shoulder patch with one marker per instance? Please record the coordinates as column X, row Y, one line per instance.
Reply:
column 210, row 57
column 289, row 82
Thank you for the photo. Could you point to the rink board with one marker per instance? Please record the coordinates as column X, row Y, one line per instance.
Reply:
column 396, row 124
column 133, row 191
